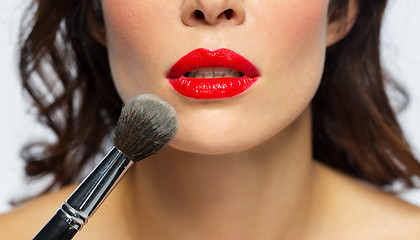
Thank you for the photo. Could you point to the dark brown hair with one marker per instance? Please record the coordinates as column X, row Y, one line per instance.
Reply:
column 66, row 73
column 355, row 129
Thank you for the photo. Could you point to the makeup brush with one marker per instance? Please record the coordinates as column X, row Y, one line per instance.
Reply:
column 146, row 124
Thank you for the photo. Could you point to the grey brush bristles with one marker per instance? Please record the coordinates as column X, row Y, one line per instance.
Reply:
column 146, row 124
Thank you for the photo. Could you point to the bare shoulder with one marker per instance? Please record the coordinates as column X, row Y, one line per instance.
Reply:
column 26, row 220
column 366, row 212
column 402, row 219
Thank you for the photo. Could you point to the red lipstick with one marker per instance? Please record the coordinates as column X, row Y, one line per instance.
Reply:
column 227, row 74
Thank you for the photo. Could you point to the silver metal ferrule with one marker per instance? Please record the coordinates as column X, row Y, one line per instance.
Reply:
column 94, row 189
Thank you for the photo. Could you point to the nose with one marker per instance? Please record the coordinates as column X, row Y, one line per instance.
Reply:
column 213, row 12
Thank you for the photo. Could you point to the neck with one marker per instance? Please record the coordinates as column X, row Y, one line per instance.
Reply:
column 262, row 193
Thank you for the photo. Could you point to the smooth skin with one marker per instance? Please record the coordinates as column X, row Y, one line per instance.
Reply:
column 239, row 168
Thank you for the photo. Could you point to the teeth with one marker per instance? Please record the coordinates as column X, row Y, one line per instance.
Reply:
column 213, row 73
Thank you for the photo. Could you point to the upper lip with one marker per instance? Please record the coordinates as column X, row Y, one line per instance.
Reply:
column 204, row 58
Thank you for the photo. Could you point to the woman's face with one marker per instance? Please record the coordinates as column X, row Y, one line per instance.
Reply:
column 282, row 41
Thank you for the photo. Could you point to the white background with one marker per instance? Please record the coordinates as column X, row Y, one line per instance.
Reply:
column 401, row 52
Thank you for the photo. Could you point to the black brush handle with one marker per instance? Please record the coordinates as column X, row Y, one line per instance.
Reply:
column 56, row 229
column 86, row 199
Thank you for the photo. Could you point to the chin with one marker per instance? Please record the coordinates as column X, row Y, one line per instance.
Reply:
column 217, row 142
column 210, row 147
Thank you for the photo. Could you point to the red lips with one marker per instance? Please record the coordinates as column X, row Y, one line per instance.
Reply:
column 211, row 88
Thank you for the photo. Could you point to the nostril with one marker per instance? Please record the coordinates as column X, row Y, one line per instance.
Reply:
column 228, row 13
column 212, row 16
column 199, row 14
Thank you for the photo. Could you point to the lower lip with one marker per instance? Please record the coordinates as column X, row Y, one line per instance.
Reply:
column 211, row 88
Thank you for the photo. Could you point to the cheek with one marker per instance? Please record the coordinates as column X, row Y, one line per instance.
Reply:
column 296, row 35
column 135, row 32
column 295, row 30
column 294, row 39
column 294, row 22
column 135, row 24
